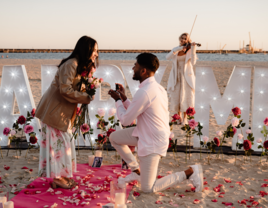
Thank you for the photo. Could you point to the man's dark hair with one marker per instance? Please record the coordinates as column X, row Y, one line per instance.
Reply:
column 148, row 61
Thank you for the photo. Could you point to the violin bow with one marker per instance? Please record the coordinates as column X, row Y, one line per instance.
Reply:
column 192, row 26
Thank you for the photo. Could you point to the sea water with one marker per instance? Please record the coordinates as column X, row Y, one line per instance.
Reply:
column 132, row 56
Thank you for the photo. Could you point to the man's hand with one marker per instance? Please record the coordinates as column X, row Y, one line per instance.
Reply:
column 121, row 90
column 115, row 95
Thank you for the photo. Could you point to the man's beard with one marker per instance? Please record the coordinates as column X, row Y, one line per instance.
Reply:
column 136, row 77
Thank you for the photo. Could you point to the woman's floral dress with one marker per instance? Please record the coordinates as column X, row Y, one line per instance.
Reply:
column 57, row 153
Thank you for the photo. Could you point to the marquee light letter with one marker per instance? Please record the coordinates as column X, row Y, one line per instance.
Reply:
column 134, row 85
column 237, row 94
column 15, row 83
column 260, row 101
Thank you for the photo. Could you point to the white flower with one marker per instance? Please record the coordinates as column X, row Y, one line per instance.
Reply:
column 235, row 121
column 97, row 85
column 240, row 136
column 205, row 139
column 219, row 133
column 101, row 112
column 259, row 140
column 111, row 112
column 171, row 136
column 248, row 131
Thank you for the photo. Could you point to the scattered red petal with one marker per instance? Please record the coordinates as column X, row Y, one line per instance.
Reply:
column 217, row 189
column 221, row 196
column 231, row 186
column 205, row 182
column 255, row 203
column 222, row 193
column 206, row 188
column 16, row 192
column 30, row 186
column 24, row 167
column 214, row 200
column 227, row 181
column 159, row 176
column 31, row 170
column 193, row 189
column 136, row 193
column 227, row 203
column 158, row 202
column 6, row 167
column 196, row 201
column 264, row 185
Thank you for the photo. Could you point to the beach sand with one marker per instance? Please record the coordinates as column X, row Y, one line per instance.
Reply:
column 251, row 174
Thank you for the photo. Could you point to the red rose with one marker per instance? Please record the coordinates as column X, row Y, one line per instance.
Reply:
column 217, row 141
column 247, row 145
column 234, row 130
column 110, row 131
column 190, row 111
column 236, row 111
column 21, row 120
column 78, row 112
column 83, row 74
column 33, row 112
column 176, row 117
column 102, row 139
column 265, row 144
column 33, row 140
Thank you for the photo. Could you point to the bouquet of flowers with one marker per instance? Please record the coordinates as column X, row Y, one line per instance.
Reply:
column 22, row 124
column 87, row 84
column 264, row 145
column 106, row 127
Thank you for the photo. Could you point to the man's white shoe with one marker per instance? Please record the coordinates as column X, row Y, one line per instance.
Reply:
column 197, row 177
column 129, row 178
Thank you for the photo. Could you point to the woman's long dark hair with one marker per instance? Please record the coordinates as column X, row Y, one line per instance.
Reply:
column 82, row 52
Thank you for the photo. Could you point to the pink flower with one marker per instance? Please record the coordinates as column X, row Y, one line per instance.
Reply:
column 111, row 112
column 240, row 136
column 97, row 85
column 248, row 131
column 101, row 80
column 217, row 141
column 190, row 111
column 192, row 123
column 13, row 132
column 84, row 128
column 6, row 131
column 101, row 112
column 33, row 112
column 175, row 117
column 265, row 121
column 171, row 136
column 205, row 139
column 236, row 111
column 90, row 80
column 78, row 111
column 28, row 129
column 247, row 145
column 58, row 155
column 90, row 75
column 259, row 140
column 235, row 121
column 219, row 133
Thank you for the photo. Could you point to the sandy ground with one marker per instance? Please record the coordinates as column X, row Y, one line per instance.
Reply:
column 251, row 175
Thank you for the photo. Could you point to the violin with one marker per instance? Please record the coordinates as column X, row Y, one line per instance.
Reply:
column 188, row 47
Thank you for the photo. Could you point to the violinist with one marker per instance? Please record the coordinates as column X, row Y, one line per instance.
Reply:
column 181, row 82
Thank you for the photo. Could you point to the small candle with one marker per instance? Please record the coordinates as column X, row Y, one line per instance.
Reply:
column 9, row 204
column 90, row 159
column 3, row 199
column 120, row 198
column 121, row 206
column 98, row 153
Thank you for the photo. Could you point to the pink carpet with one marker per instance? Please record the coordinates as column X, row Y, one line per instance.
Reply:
column 28, row 197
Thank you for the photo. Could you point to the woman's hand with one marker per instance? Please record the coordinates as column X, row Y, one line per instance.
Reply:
column 121, row 91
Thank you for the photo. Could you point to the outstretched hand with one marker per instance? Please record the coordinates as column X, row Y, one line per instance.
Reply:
column 115, row 95
column 121, row 91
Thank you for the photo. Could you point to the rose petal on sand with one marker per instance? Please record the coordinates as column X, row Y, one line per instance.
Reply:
column 158, row 202
column 24, row 167
column 227, row 203
column 205, row 182
column 227, row 181
column 214, row 200
column 196, row 201
column 221, row 196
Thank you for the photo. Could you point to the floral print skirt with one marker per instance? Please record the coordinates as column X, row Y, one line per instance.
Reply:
column 57, row 153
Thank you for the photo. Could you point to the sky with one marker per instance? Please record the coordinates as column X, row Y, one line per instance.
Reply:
column 139, row 24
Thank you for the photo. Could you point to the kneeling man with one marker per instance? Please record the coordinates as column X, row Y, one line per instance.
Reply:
column 151, row 135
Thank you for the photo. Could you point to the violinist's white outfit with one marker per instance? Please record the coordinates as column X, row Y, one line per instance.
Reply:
column 181, row 82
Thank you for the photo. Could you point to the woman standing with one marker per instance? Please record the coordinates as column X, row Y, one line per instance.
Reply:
column 181, row 82
column 57, row 110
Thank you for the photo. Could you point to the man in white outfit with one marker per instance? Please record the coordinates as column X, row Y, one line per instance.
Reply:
column 151, row 135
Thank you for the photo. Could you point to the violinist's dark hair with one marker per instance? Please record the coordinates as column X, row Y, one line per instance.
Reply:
column 187, row 37
column 148, row 61
column 82, row 52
